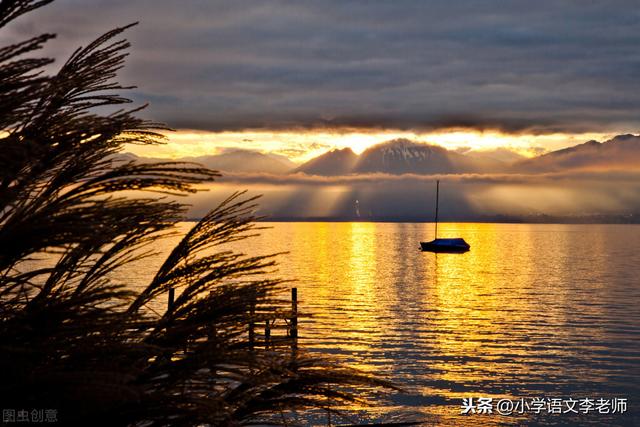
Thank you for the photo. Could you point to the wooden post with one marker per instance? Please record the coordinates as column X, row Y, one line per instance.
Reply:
column 267, row 333
column 294, row 317
column 252, row 313
column 172, row 298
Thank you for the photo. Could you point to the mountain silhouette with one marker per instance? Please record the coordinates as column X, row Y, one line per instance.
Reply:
column 232, row 160
column 400, row 156
column 334, row 162
column 238, row 160
column 620, row 152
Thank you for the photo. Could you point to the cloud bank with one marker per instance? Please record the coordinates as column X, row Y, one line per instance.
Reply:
column 465, row 197
column 519, row 66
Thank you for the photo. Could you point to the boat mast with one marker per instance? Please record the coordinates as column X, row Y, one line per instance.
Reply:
column 437, row 197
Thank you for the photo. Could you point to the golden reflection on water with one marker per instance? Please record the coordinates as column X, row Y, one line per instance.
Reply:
column 531, row 310
column 340, row 269
column 476, row 315
column 516, row 316
column 467, row 307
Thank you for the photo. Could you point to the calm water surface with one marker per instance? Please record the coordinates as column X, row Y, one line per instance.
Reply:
column 530, row 311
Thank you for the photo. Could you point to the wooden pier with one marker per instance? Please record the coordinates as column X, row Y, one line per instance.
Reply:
column 261, row 326
column 286, row 322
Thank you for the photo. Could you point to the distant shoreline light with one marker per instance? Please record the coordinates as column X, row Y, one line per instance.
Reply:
column 300, row 146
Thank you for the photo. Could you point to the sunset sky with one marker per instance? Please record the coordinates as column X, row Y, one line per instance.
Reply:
column 298, row 78
column 301, row 145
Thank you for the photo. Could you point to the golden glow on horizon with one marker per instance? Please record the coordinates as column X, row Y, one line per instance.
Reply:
column 300, row 146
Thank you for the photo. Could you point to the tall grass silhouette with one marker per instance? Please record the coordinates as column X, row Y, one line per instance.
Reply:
column 73, row 340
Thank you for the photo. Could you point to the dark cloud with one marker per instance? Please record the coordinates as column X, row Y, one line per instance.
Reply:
column 518, row 66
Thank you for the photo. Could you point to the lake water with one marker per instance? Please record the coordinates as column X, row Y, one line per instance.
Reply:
column 532, row 311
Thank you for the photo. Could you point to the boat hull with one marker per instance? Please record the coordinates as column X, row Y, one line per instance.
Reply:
column 445, row 245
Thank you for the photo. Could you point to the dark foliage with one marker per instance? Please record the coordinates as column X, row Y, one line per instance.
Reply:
column 70, row 215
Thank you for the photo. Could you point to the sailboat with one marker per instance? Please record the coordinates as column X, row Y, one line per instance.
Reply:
column 453, row 245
